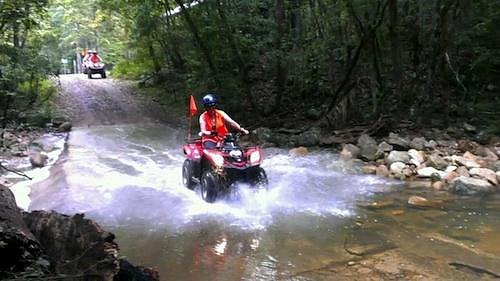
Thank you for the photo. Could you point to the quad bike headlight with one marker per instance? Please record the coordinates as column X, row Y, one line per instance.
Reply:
column 255, row 157
column 236, row 154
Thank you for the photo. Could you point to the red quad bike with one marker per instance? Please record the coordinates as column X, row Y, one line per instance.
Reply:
column 218, row 169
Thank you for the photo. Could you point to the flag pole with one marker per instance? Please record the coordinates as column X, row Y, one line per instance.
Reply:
column 190, row 122
column 191, row 113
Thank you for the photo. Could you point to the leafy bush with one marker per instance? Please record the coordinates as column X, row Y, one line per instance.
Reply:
column 131, row 69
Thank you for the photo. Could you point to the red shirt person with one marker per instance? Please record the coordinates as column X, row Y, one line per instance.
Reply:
column 94, row 58
column 213, row 122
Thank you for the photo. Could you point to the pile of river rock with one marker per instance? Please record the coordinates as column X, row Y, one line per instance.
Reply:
column 463, row 166
column 458, row 164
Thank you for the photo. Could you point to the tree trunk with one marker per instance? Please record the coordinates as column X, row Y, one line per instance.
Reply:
column 437, row 70
column 170, row 50
column 296, row 23
column 397, row 69
column 242, row 66
column 152, row 54
column 199, row 41
column 377, row 73
column 280, row 70
column 319, row 33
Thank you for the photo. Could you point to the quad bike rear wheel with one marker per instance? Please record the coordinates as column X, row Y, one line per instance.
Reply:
column 209, row 186
column 187, row 174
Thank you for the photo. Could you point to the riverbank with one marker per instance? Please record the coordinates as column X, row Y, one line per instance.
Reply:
column 432, row 157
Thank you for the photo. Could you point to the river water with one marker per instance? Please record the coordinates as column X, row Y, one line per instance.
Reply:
column 320, row 219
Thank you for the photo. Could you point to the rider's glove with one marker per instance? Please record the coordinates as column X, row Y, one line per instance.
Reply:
column 244, row 131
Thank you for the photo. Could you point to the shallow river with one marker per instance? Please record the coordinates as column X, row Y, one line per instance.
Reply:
column 316, row 221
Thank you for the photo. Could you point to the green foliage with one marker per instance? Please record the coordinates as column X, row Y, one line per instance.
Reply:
column 130, row 69
column 22, row 66
column 353, row 60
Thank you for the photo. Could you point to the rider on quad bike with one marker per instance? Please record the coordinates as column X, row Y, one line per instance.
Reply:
column 213, row 122
column 92, row 64
column 217, row 161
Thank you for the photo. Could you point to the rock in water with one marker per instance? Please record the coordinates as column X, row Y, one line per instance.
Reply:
column 38, row 159
column 298, row 151
column 470, row 186
column 65, row 127
column 418, row 201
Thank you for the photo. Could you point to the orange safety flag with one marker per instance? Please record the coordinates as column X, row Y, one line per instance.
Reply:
column 192, row 107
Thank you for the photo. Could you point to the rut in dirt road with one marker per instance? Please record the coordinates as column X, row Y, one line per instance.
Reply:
column 90, row 102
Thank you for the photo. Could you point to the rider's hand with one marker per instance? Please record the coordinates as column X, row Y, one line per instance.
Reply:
column 244, row 131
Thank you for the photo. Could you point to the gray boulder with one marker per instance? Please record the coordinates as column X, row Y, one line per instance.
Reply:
column 432, row 144
column 399, row 143
column 416, row 157
column 38, row 159
column 65, row 127
column 471, row 186
column 396, row 169
column 418, row 143
column 368, row 148
column 462, row 171
column 349, row 151
column 430, row 172
column 465, row 161
column 382, row 171
column 398, row 156
column 309, row 138
column 484, row 173
column 436, row 161
column 495, row 166
column 385, row 147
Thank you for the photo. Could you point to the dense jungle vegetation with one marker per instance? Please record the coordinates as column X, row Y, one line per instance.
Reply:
column 330, row 63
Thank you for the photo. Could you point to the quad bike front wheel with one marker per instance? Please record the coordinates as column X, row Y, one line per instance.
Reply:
column 187, row 174
column 258, row 177
column 209, row 186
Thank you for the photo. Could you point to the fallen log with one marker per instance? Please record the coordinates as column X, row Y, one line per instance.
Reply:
column 75, row 245
column 18, row 247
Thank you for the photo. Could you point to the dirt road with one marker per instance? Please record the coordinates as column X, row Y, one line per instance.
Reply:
column 90, row 102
